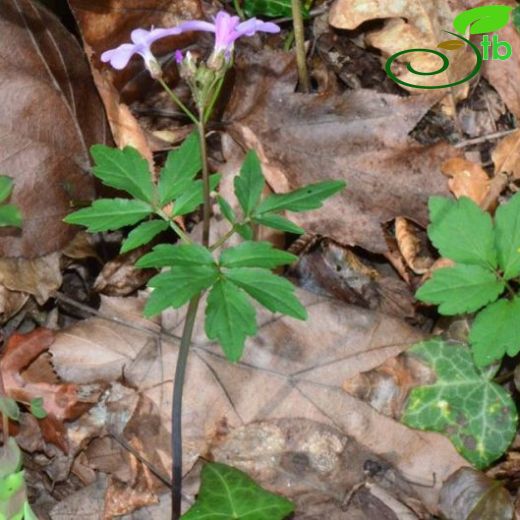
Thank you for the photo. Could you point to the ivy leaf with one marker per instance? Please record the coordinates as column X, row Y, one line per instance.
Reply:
column 9, row 407
column 110, row 214
column 496, row 332
column 461, row 231
column 255, row 254
column 477, row 415
column 230, row 318
column 507, row 225
column 193, row 196
column 6, row 187
column 309, row 197
column 123, row 169
column 272, row 8
column 179, row 170
column 10, row 216
column 228, row 493
column 37, row 408
column 176, row 287
column 143, row 233
column 272, row 291
column 186, row 255
column 226, row 210
column 277, row 222
column 460, row 289
column 250, row 183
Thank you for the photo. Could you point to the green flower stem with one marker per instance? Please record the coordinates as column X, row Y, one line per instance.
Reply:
column 216, row 87
column 177, row 101
column 178, row 387
column 299, row 38
column 206, row 210
column 223, row 239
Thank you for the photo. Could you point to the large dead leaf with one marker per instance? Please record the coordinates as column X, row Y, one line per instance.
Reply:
column 50, row 115
column 361, row 136
column 290, row 380
column 506, row 155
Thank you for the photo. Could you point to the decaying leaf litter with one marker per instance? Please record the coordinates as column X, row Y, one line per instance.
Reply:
column 312, row 409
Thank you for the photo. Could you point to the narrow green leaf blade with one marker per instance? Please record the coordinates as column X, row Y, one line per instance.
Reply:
column 179, row 170
column 176, row 287
column 462, row 231
column 272, row 8
column 250, row 183
column 496, row 332
column 476, row 414
column 309, row 197
column 226, row 210
column 245, row 231
column 460, row 289
column 272, row 291
column 6, row 187
column 185, row 255
column 37, row 408
column 507, row 225
column 230, row 318
column 123, row 169
column 193, row 196
column 227, row 493
column 9, row 407
column 277, row 222
column 143, row 233
column 255, row 254
column 110, row 214
column 10, row 216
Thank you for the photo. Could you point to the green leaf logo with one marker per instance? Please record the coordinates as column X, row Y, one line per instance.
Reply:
column 485, row 19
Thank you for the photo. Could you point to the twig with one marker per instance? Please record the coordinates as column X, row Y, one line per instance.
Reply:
column 484, row 138
column 299, row 37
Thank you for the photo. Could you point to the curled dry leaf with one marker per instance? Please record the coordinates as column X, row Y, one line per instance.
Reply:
column 470, row 495
column 506, row 155
column 467, row 179
column 50, row 116
column 410, row 246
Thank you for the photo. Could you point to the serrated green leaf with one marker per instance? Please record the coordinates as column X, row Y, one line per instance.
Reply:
column 6, row 187
column 245, row 231
column 37, row 408
column 462, row 231
column 226, row 210
column 507, row 230
column 272, row 291
column 179, row 170
column 143, row 233
column 110, row 214
column 250, row 183
column 277, row 222
column 174, row 288
column 255, row 254
column 476, row 414
column 10, row 458
column 227, row 493
column 230, row 318
column 309, row 197
column 185, row 255
column 9, row 407
column 10, row 216
column 496, row 332
column 123, row 169
column 193, row 196
column 461, row 289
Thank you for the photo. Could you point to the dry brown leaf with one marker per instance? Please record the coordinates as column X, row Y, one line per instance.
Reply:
column 361, row 137
column 51, row 114
column 410, row 246
column 506, row 155
column 468, row 179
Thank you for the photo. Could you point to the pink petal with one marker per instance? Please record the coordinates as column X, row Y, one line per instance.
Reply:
column 195, row 25
column 120, row 56
column 252, row 26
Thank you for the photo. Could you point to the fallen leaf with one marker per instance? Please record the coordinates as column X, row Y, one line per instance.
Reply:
column 506, row 155
column 50, row 116
column 361, row 137
column 410, row 246
column 467, row 179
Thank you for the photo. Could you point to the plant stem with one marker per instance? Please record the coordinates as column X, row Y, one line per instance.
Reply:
column 205, row 180
column 299, row 38
column 178, row 387
column 5, row 419
column 177, row 101
column 238, row 9
column 223, row 239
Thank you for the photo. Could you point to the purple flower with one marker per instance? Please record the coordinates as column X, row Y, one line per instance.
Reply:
column 228, row 29
column 142, row 41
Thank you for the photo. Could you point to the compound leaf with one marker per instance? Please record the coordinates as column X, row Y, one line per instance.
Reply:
column 278, row 222
column 179, row 170
column 272, row 8
column 272, row 291
column 193, row 196
column 228, row 493
column 187, row 255
column 255, row 254
column 496, row 332
column 460, row 289
column 477, row 415
column 123, row 169
column 250, row 183
column 230, row 318
column 226, row 210
column 143, row 233
column 110, row 214
column 507, row 225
